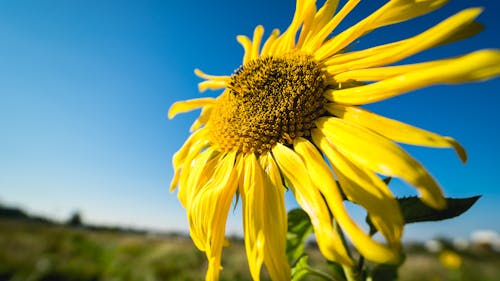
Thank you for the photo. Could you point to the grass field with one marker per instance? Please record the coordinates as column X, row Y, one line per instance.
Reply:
column 34, row 251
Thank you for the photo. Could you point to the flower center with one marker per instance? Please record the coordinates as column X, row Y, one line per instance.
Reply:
column 268, row 100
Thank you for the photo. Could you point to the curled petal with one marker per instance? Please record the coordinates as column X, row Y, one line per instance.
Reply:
column 246, row 43
column 200, row 170
column 309, row 198
column 323, row 180
column 195, row 140
column 394, row 130
column 208, row 213
column 203, row 119
column 381, row 155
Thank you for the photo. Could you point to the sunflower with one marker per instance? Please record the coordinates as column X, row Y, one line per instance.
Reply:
column 290, row 117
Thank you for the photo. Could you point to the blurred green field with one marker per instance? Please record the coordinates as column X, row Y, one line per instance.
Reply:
column 36, row 251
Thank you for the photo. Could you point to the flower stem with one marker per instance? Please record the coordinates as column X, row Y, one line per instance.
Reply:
column 352, row 273
column 323, row 275
column 361, row 263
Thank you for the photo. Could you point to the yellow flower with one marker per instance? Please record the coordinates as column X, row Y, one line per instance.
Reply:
column 450, row 259
column 296, row 100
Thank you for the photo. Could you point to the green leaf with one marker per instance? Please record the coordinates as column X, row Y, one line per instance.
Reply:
column 301, row 269
column 299, row 228
column 387, row 180
column 337, row 270
column 414, row 210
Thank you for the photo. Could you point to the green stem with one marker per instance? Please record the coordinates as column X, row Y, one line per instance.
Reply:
column 361, row 263
column 352, row 273
column 324, row 275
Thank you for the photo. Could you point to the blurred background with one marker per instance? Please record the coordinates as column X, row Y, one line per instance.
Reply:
column 85, row 87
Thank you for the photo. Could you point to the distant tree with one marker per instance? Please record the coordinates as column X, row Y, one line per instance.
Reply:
column 15, row 213
column 75, row 219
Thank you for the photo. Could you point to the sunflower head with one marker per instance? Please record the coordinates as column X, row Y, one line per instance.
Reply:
column 268, row 100
column 291, row 118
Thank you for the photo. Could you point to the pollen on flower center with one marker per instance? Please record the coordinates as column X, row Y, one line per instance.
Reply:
column 268, row 100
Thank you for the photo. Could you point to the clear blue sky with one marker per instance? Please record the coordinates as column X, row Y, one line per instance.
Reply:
column 85, row 88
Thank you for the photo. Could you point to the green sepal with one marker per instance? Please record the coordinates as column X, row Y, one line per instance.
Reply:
column 299, row 228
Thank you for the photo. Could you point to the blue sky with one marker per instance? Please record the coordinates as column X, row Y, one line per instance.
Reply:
column 85, row 88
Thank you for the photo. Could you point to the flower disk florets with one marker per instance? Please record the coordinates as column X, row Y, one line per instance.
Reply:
column 268, row 100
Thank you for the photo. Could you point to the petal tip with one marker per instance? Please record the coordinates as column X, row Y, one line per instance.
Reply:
column 171, row 112
column 459, row 149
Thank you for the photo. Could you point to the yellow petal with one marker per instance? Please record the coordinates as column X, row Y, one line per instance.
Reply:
column 475, row 66
column 195, row 174
column 253, row 213
column 337, row 65
column 317, row 38
column 205, row 76
column 264, row 218
column 323, row 179
column 198, row 231
column 462, row 32
column 341, row 62
column 188, row 105
column 180, row 156
column 268, row 45
column 366, row 189
column 246, row 43
column 213, row 82
column 324, row 15
column 381, row 73
column 309, row 198
column 211, row 85
column 257, row 37
column 394, row 130
column 200, row 171
column 203, row 119
column 397, row 51
column 387, row 14
column 406, row 10
column 193, row 152
column 286, row 41
column 275, row 221
column 208, row 213
column 309, row 16
column 381, row 155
